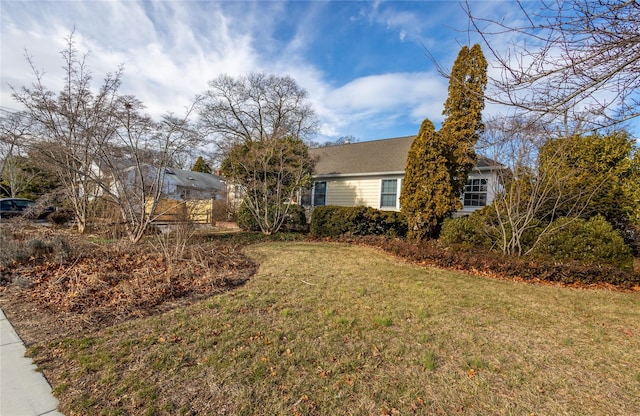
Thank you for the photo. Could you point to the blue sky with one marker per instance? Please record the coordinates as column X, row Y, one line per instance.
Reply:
column 363, row 64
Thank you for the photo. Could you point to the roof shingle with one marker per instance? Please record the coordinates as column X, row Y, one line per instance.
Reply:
column 371, row 157
column 388, row 155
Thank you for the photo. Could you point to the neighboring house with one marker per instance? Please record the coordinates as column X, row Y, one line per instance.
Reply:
column 371, row 173
column 179, row 184
column 183, row 193
column 189, row 194
column 187, row 185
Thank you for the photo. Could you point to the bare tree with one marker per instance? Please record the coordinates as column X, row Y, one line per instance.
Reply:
column 256, row 107
column 101, row 144
column 14, row 133
column 134, row 158
column 521, row 193
column 260, row 123
column 67, row 124
column 571, row 62
column 546, row 179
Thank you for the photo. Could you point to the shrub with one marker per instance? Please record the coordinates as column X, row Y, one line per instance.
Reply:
column 33, row 250
column 591, row 241
column 334, row 221
column 630, row 232
column 490, row 262
column 323, row 223
column 466, row 232
column 246, row 220
column 12, row 251
column 60, row 216
column 295, row 220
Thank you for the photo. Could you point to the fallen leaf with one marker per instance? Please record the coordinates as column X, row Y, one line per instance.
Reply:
column 349, row 380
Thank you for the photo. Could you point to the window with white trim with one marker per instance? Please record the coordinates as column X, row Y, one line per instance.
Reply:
column 389, row 193
column 475, row 193
column 319, row 194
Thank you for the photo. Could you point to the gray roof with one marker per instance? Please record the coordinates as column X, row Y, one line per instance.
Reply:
column 195, row 180
column 373, row 157
column 389, row 155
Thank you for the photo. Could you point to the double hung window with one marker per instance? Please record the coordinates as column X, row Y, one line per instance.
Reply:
column 389, row 193
column 319, row 194
column 314, row 197
column 475, row 193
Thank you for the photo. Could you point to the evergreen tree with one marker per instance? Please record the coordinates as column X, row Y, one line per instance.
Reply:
column 463, row 116
column 201, row 166
column 438, row 163
column 591, row 175
column 426, row 195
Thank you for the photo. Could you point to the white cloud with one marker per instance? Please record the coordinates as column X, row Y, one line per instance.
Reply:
column 166, row 63
column 388, row 91
column 171, row 49
column 379, row 101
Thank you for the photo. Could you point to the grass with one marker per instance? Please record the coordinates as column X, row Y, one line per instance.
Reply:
column 332, row 329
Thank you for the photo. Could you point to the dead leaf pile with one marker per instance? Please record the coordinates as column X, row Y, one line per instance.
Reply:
column 104, row 280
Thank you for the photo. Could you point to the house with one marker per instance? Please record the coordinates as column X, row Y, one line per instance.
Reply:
column 183, row 194
column 175, row 183
column 187, row 185
column 371, row 173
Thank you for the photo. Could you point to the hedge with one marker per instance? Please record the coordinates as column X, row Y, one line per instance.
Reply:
column 488, row 262
column 334, row 221
column 591, row 241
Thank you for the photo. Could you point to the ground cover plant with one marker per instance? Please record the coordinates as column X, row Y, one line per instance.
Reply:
column 325, row 328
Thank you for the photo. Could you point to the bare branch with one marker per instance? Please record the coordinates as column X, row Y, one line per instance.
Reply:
column 575, row 63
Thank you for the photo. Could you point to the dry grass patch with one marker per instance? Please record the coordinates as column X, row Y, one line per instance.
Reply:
column 329, row 329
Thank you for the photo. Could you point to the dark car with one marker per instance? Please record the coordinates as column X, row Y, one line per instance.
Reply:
column 16, row 207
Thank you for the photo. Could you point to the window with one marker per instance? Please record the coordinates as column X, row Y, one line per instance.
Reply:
column 475, row 193
column 23, row 204
column 305, row 197
column 389, row 193
column 314, row 196
column 319, row 194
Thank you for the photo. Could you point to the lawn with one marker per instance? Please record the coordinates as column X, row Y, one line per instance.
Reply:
column 331, row 329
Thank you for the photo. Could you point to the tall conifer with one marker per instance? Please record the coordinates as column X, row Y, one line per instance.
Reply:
column 438, row 163
column 463, row 115
column 426, row 189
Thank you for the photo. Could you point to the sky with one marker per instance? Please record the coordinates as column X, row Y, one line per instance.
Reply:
column 364, row 64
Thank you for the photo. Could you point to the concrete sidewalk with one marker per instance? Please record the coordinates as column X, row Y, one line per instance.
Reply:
column 23, row 390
